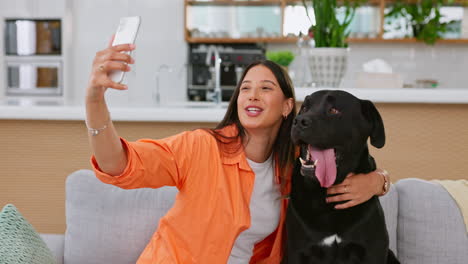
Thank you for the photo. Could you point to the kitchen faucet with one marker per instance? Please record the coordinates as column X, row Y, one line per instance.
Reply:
column 157, row 93
column 216, row 95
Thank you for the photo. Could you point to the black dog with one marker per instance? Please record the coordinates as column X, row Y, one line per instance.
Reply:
column 332, row 129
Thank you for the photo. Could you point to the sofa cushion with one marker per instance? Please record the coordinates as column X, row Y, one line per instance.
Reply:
column 55, row 242
column 106, row 224
column 389, row 204
column 430, row 225
column 19, row 241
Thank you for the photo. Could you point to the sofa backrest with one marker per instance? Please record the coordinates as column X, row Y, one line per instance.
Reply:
column 389, row 204
column 431, row 229
column 106, row 224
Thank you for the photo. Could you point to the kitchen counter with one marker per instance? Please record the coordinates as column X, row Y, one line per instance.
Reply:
column 179, row 112
column 402, row 95
column 208, row 112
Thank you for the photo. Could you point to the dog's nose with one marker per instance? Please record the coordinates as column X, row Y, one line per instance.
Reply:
column 301, row 122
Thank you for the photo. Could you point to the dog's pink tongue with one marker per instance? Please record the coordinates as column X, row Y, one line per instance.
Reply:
column 325, row 169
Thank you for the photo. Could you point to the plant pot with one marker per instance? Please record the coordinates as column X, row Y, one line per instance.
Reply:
column 328, row 66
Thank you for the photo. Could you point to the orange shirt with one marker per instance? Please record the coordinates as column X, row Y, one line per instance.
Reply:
column 212, row 206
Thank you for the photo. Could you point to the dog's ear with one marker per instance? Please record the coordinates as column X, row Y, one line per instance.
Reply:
column 377, row 133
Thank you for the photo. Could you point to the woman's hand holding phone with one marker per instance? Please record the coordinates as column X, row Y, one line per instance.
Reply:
column 110, row 59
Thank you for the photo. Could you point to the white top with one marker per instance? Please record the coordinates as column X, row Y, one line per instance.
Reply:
column 265, row 206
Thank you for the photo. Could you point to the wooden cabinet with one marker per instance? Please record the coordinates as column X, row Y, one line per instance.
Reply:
column 193, row 35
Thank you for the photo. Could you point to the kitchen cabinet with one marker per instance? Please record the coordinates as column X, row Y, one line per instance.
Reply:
column 33, row 53
column 228, row 10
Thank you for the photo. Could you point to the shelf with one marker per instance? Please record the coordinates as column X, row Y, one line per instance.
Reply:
column 294, row 39
column 455, row 3
column 233, row 3
column 41, row 91
column 27, row 57
column 259, row 2
column 406, row 40
column 299, row 2
column 31, row 58
column 241, row 40
column 284, row 3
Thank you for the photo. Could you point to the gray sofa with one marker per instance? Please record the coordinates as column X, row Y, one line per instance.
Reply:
column 106, row 224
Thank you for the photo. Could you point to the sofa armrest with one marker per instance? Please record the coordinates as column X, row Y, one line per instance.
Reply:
column 430, row 224
column 55, row 242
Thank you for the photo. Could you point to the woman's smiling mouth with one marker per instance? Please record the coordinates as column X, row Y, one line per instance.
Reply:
column 253, row 111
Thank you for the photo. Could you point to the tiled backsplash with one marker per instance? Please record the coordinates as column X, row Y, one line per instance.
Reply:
column 446, row 63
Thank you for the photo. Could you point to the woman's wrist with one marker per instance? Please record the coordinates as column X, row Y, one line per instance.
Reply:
column 384, row 186
column 93, row 97
column 97, row 114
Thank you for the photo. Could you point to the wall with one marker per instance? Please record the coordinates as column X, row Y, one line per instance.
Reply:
column 443, row 62
column 424, row 141
column 160, row 41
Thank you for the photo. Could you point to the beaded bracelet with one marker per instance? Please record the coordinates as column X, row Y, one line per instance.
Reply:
column 95, row 131
column 386, row 186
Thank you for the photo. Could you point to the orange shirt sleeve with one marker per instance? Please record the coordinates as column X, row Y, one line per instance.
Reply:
column 156, row 163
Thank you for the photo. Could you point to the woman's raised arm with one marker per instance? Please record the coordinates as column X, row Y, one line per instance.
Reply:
column 103, row 138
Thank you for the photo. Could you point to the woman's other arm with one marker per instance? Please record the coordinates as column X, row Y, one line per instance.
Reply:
column 357, row 188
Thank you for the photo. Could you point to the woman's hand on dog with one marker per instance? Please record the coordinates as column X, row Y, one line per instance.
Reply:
column 355, row 189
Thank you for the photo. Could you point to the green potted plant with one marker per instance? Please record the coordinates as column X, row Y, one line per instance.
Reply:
column 329, row 30
column 422, row 17
column 329, row 57
column 283, row 58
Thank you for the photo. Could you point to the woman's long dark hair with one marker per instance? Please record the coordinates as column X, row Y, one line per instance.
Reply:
column 283, row 148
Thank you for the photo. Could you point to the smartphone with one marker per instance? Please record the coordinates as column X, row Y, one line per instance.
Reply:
column 126, row 34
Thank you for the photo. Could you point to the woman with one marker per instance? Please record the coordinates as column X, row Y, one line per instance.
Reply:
column 232, row 180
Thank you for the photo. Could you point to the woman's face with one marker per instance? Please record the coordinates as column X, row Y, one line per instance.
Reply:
column 261, row 102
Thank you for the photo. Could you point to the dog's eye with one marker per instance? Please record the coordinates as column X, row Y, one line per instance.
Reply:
column 333, row 111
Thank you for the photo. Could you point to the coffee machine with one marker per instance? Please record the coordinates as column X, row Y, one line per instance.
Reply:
column 234, row 58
